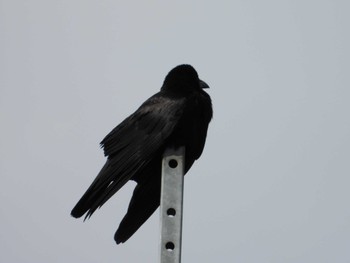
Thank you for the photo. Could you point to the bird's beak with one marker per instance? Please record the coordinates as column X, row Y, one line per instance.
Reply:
column 203, row 85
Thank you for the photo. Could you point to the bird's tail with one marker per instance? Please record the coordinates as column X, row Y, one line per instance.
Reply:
column 145, row 200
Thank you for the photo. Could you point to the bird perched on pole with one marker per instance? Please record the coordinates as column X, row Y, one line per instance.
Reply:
column 178, row 115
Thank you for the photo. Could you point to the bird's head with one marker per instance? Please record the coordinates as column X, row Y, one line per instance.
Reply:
column 184, row 78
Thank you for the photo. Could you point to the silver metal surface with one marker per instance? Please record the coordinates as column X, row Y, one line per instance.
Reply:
column 171, row 205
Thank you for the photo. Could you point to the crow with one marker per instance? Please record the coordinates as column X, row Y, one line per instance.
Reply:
column 178, row 115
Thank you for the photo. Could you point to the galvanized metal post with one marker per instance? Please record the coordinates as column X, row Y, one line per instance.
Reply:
column 171, row 205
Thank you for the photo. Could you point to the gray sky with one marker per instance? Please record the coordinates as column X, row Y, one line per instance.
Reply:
column 273, row 182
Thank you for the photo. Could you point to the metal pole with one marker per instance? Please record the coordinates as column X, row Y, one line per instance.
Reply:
column 171, row 205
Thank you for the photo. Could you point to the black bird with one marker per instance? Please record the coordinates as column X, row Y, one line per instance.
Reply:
column 176, row 116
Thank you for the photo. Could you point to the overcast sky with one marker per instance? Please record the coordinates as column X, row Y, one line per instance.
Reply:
column 273, row 182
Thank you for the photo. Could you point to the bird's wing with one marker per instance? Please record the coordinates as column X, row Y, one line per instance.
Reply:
column 130, row 147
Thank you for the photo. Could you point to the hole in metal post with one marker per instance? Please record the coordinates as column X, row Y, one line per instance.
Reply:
column 173, row 163
column 171, row 212
column 169, row 246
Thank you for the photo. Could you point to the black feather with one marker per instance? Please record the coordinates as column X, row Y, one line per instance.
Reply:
column 176, row 116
